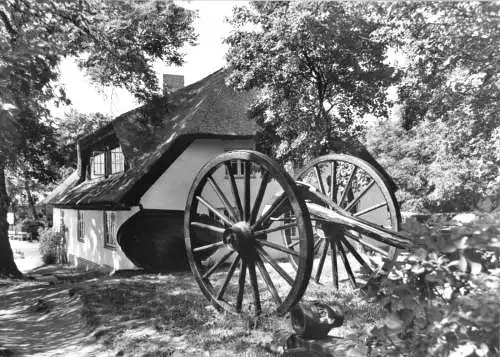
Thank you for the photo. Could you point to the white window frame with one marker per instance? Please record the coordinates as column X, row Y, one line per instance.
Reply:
column 109, row 229
column 80, row 226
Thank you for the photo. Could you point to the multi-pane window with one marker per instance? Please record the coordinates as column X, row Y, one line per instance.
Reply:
column 292, row 231
column 61, row 221
column 109, row 219
column 107, row 162
column 117, row 160
column 237, row 168
column 80, row 226
column 98, row 164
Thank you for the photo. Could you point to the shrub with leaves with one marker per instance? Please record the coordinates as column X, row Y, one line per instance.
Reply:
column 30, row 226
column 442, row 298
column 52, row 246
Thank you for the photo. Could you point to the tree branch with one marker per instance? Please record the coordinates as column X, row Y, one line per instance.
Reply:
column 10, row 29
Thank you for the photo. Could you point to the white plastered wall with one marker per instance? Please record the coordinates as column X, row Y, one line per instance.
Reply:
column 92, row 247
column 171, row 189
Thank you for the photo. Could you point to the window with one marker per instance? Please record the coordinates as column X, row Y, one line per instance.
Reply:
column 61, row 221
column 292, row 231
column 80, row 226
column 107, row 162
column 237, row 168
column 117, row 160
column 98, row 163
column 109, row 219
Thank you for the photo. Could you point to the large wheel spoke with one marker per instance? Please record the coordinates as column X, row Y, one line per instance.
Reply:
column 268, row 281
column 215, row 211
column 361, row 241
column 247, row 191
column 255, row 287
column 321, row 262
column 347, row 266
column 359, row 196
column 234, row 190
column 275, row 266
column 260, row 196
column 229, row 275
column 217, row 264
column 277, row 204
column 241, row 285
column 317, row 244
column 335, row 272
column 369, row 209
column 278, row 247
column 291, row 245
column 318, row 177
column 348, row 186
column 333, row 180
column 215, row 229
column 356, row 254
column 223, row 199
column 275, row 229
column 208, row 246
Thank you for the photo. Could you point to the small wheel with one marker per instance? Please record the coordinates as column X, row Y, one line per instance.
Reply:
column 359, row 190
column 234, row 214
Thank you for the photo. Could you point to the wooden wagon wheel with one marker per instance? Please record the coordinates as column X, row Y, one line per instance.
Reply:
column 232, row 223
column 357, row 190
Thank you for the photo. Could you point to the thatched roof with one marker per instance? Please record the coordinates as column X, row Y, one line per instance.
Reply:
column 153, row 136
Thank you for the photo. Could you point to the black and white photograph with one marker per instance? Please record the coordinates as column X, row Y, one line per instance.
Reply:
column 212, row 178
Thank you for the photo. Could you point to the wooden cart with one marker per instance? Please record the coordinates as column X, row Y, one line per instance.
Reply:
column 248, row 221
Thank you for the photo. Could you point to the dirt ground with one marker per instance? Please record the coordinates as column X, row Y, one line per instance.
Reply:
column 42, row 318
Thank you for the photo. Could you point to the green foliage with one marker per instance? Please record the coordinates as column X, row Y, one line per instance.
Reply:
column 445, row 129
column 52, row 246
column 442, row 298
column 74, row 126
column 317, row 69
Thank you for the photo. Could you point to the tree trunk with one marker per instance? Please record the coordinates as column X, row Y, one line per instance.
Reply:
column 8, row 267
column 31, row 201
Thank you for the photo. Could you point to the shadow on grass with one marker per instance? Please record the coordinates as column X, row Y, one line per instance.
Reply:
column 37, row 317
column 143, row 314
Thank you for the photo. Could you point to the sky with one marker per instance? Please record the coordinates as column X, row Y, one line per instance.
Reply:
column 200, row 61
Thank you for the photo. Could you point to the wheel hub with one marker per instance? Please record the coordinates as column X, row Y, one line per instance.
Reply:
column 239, row 237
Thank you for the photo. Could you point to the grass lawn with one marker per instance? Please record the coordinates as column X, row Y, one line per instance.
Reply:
column 157, row 315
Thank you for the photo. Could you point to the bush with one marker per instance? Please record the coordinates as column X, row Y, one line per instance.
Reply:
column 30, row 226
column 52, row 246
column 441, row 299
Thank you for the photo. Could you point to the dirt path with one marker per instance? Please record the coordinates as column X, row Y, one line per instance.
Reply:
column 38, row 318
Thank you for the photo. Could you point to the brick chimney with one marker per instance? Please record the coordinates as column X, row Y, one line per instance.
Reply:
column 172, row 82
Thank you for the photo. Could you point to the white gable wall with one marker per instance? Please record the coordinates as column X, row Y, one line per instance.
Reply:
column 171, row 189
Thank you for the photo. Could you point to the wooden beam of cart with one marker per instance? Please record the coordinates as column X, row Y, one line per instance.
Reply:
column 376, row 232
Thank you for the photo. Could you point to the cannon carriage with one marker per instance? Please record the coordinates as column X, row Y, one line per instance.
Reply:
column 255, row 237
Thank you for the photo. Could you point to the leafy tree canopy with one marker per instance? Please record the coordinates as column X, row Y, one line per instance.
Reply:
column 316, row 67
column 73, row 126
column 116, row 43
column 444, row 147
